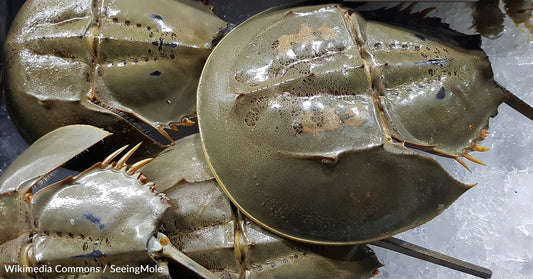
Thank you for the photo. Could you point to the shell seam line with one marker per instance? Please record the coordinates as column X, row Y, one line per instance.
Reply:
column 94, row 43
column 372, row 70
column 240, row 242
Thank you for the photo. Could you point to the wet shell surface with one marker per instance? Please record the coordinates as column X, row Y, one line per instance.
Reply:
column 111, row 217
column 312, row 118
column 202, row 222
column 130, row 67
column 107, row 215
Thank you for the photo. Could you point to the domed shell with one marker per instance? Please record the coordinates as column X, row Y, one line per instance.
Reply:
column 305, row 114
column 130, row 67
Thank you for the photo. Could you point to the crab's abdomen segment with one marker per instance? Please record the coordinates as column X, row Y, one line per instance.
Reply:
column 434, row 95
column 149, row 58
column 33, row 165
column 104, row 216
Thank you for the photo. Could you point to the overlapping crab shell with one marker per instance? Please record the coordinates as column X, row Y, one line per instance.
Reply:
column 204, row 225
column 108, row 217
column 83, row 225
column 126, row 66
column 305, row 114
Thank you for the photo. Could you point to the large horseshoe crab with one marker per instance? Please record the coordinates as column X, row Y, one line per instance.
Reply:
column 310, row 116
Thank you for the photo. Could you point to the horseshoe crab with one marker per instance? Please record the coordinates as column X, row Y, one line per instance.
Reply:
column 130, row 67
column 317, row 103
column 203, row 224
column 105, row 221
column 103, row 218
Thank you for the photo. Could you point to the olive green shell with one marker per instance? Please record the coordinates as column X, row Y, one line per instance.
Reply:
column 305, row 115
column 34, row 165
column 203, row 224
column 129, row 66
column 104, row 216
